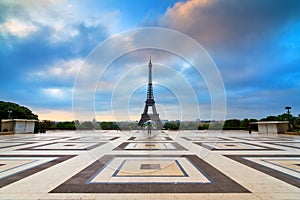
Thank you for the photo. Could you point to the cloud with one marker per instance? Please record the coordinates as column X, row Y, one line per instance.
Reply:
column 60, row 69
column 181, row 12
column 233, row 21
column 58, row 21
column 43, row 45
column 17, row 28
column 254, row 45
column 57, row 93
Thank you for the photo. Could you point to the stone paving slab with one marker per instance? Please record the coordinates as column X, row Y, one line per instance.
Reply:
column 167, row 165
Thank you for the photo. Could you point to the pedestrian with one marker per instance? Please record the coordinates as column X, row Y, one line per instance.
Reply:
column 149, row 128
column 249, row 129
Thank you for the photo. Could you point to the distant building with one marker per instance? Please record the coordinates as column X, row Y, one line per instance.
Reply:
column 17, row 126
column 272, row 127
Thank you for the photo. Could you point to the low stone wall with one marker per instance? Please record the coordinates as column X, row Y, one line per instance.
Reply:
column 7, row 133
column 292, row 133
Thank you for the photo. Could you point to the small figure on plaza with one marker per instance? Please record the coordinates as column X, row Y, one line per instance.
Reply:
column 249, row 129
column 149, row 127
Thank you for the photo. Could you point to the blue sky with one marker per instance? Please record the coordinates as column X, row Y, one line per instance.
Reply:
column 254, row 43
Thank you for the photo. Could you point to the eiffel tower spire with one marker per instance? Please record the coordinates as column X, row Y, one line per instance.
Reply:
column 150, row 102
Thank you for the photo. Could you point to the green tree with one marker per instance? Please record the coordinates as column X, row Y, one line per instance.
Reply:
column 67, row 125
column 298, row 120
column 87, row 125
column 106, row 125
column 245, row 123
column 115, row 127
column 216, row 125
column 286, row 117
column 15, row 111
column 189, row 125
column 47, row 124
column 109, row 126
column 203, row 126
column 232, row 123
column 171, row 126
column 270, row 118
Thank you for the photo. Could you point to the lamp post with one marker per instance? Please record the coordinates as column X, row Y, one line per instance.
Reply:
column 9, row 112
column 288, row 109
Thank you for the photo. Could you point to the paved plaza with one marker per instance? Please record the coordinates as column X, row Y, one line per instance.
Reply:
column 167, row 165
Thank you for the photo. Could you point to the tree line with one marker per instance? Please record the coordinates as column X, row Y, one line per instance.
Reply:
column 73, row 125
column 230, row 124
column 9, row 110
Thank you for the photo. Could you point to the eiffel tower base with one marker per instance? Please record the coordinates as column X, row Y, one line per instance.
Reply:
column 153, row 117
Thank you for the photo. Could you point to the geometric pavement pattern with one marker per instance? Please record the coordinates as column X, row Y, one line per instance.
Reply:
column 65, row 146
column 189, row 179
column 295, row 145
column 283, row 167
column 17, row 167
column 12, row 144
column 144, row 146
column 234, row 146
column 74, row 166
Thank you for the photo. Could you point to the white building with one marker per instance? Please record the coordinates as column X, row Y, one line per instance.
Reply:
column 17, row 125
column 272, row 127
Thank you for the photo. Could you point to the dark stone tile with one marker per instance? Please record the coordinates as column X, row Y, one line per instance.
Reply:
column 94, row 139
column 261, row 138
column 39, row 138
column 285, row 144
column 136, row 139
column 34, row 148
column 211, row 147
column 14, row 145
column 206, row 139
column 150, row 166
column 124, row 145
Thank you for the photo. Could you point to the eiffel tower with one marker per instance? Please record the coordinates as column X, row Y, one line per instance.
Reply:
column 150, row 103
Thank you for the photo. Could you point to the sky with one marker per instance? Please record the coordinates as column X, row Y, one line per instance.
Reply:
column 45, row 46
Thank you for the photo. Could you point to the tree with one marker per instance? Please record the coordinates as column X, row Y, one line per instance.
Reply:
column 245, row 123
column 285, row 117
column 270, row 118
column 171, row 126
column 87, row 125
column 109, row 126
column 203, row 127
column 298, row 120
column 232, row 123
column 15, row 111
column 66, row 125
column 189, row 125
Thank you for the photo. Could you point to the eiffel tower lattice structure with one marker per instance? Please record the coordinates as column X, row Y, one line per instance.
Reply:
column 150, row 102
